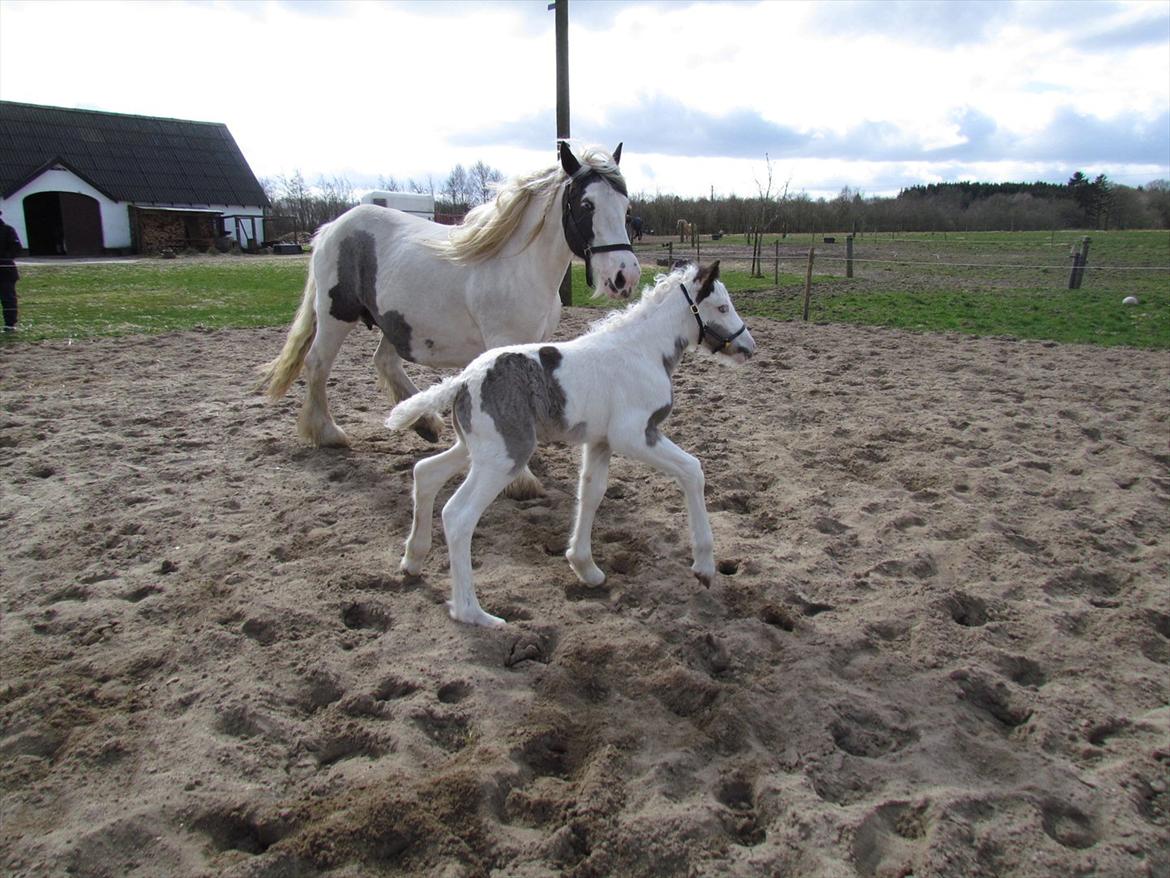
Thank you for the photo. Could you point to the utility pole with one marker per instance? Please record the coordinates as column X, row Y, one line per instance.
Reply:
column 562, row 32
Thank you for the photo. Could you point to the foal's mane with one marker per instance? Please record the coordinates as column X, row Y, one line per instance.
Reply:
column 649, row 301
column 487, row 228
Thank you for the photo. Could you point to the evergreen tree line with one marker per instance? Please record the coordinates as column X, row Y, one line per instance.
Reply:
column 1096, row 203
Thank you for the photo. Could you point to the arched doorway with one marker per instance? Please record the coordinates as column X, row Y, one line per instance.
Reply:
column 63, row 224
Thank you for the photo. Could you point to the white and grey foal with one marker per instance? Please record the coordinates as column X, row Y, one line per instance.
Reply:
column 608, row 390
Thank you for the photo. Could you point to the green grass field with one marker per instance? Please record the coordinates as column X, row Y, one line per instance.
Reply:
column 1011, row 284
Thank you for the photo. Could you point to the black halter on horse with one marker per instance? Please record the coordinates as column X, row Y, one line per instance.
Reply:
column 715, row 334
column 578, row 223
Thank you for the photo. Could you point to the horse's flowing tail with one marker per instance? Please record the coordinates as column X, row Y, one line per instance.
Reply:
column 433, row 400
column 277, row 376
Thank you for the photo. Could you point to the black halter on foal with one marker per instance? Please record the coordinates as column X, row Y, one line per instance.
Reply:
column 571, row 221
column 724, row 341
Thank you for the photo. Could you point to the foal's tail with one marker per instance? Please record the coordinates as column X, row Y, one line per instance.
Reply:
column 277, row 376
column 433, row 400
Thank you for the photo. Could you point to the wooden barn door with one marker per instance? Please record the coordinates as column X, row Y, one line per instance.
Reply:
column 63, row 224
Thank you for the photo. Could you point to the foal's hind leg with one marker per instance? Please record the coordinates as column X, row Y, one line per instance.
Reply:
column 460, row 516
column 398, row 386
column 316, row 424
column 429, row 477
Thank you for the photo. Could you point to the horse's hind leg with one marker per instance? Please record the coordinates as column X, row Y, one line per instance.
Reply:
column 429, row 477
column 460, row 516
column 398, row 386
column 316, row 424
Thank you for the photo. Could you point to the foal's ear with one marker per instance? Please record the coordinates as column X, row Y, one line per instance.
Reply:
column 568, row 160
column 617, row 155
column 706, row 280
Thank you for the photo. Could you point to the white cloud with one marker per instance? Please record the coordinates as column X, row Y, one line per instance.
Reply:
column 856, row 94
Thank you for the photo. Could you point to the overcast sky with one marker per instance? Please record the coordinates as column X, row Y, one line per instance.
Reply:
column 874, row 96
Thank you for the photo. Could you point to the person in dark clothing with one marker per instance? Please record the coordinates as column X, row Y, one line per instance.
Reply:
column 10, row 247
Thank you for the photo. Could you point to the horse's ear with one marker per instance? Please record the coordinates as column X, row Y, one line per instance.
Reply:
column 617, row 155
column 706, row 279
column 568, row 160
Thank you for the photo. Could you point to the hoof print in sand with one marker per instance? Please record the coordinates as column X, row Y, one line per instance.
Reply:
column 365, row 615
column 739, row 817
column 860, row 732
column 993, row 698
column 530, row 646
column 967, row 610
column 889, row 840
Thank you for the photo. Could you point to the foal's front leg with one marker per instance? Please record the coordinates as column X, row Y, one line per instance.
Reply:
column 668, row 458
column 460, row 516
column 590, row 490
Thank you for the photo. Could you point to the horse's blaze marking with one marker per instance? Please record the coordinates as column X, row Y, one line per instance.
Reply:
column 355, row 295
column 524, row 400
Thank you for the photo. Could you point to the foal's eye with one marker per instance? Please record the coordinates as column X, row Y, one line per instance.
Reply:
column 587, row 205
column 723, row 309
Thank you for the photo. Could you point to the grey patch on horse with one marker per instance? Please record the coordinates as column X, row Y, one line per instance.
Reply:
column 397, row 332
column 524, row 400
column 656, row 418
column 462, row 409
column 670, row 361
column 354, row 293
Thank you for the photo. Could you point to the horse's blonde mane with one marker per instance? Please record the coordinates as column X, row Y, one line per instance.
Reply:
column 651, row 298
column 487, row 228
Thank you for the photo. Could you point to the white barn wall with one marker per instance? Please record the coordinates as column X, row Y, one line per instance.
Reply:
column 115, row 215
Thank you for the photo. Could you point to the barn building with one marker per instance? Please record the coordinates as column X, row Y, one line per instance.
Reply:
column 87, row 183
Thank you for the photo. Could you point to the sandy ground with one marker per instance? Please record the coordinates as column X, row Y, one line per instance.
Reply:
column 939, row 645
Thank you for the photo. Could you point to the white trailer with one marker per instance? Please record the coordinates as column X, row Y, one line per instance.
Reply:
column 414, row 203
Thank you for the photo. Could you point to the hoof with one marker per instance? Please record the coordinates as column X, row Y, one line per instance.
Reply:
column 475, row 616
column 409, row 568
column 589, row 573
column 330, row 436
column 428, row 428
column 524, row 487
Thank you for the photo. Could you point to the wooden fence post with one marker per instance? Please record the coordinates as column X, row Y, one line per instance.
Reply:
column 777, row 262
column 849, row 256
column 808, row 281
column 1079, row 257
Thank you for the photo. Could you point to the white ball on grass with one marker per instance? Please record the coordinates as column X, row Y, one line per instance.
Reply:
column 1129, row 300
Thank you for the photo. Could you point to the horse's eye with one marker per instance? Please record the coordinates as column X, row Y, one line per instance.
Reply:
column 587, row 205
column 723, row 309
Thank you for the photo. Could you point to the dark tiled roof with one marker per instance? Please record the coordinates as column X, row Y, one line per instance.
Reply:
column 129, row 158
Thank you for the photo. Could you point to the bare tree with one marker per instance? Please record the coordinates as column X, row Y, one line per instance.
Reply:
column 455, row 188
column 481, row 182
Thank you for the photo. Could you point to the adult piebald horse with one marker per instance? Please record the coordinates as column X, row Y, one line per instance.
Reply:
column 442, row 295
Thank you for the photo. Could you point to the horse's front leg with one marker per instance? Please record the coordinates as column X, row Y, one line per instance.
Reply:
column 668, row 458
column 590, row 490
column 397, row 385
column 429, row 477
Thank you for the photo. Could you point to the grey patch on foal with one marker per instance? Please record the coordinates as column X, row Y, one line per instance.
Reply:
column 670, row 361
column 357, row 271
column 524, row 400
column 462, row 409
column 656, row 418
